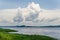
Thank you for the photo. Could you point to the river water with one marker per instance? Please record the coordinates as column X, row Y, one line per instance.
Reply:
column 48, row 31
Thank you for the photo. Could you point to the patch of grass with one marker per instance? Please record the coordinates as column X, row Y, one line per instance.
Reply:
column 4, row 35
column 7, row 30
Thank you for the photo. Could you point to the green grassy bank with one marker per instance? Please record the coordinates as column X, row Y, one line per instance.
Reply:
column 5, row 35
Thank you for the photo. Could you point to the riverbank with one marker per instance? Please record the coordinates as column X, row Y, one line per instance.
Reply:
column 5, row 35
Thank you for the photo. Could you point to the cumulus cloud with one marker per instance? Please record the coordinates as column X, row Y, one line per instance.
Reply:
column 34, row 11
column 49, row 17
column 33, row 14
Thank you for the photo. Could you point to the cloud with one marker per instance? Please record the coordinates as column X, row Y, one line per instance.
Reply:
column 34, row 10
column 33, row 14
column 49, row 17
column 7, row 14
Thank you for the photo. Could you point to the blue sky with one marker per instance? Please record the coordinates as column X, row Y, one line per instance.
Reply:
column 46, row 4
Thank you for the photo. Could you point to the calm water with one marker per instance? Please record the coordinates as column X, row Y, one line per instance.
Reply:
column 53, row 32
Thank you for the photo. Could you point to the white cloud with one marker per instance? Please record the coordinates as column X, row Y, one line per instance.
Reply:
column 33, row 14
column 49, row 17
column 7, row 14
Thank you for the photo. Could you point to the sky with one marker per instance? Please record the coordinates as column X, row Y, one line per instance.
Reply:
column 46, row 4
column 31, row 12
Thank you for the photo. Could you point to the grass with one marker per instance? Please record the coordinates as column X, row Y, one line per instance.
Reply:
column 5, row 35
column 7, row 30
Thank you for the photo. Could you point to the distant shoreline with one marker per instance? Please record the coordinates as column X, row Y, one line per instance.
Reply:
column 32, row 26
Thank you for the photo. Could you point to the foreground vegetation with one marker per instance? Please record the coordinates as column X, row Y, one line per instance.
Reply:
column 5, row 35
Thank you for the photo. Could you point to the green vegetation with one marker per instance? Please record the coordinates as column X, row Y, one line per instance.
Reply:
column 5, row 35
column 7, row 30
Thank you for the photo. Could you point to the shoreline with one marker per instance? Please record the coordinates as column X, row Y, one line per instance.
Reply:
column 24, row 37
